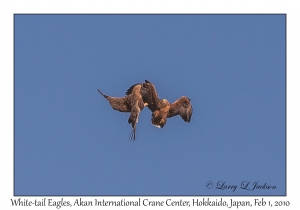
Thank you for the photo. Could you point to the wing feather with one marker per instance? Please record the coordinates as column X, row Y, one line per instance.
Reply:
column 129, row 91
column 150, row 95
column 119, row 104
column 182, row 107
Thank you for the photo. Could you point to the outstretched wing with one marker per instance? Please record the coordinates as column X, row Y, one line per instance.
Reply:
column 119, row 104
column 182, row 107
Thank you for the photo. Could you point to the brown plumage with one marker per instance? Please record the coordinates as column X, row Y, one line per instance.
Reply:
column 148, row 93
column 137, row 105
column 132, row 103
column 159, row 116
column 161, row 108
column 119, row 104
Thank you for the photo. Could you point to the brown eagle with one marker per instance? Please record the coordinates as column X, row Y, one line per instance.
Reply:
column 132, row 103
column 161, row 109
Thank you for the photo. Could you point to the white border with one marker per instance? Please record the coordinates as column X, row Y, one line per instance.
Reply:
column 8, row 8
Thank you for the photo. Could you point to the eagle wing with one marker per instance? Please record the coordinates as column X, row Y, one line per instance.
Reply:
column 129, row 91
column 148, row 93
column 182, row 107
column 119, row 104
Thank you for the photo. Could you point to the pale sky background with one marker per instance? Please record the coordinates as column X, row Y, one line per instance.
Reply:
column 69, row 141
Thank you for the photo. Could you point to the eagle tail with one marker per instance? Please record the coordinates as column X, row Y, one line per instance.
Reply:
column 157, row 120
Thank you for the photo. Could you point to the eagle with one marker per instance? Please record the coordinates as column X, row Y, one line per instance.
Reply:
column 132, row 103
column 161, row 108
